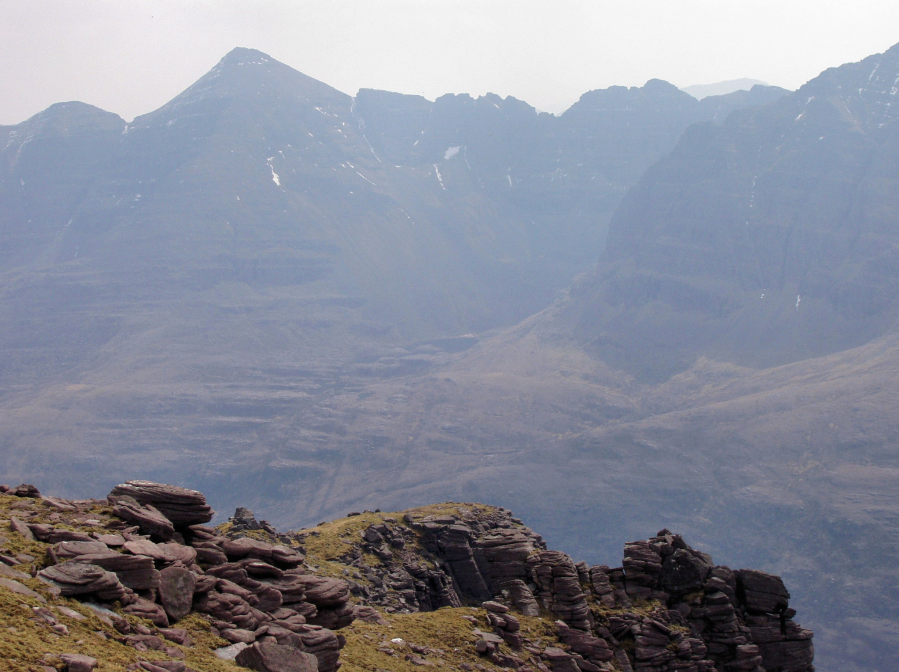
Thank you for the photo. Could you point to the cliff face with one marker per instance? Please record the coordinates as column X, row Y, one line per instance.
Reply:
column 767, row 240
column 164, row 592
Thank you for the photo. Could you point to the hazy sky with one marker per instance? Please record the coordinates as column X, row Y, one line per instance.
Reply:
column 131, row 56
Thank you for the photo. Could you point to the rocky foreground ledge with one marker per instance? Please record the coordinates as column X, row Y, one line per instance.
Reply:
column 139, row 582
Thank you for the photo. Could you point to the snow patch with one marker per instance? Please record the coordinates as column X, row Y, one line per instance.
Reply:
column 798, row 299
column 439, row 178
column 451, row 152
column 275, row 177
column 365, row 178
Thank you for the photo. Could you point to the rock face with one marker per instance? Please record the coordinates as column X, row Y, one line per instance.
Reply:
column 807, row 271
column 668, row 607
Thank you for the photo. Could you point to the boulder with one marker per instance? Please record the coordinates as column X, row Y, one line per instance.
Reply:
column 323, row 591
column 137, row 572
column 181, row 506
column 149, row 610
column 273, row 657
column 684, row 572
column 176, row 591
column 147, row 517
column 80, row 579
column 76, row 662
column 73, row 549
column 761, row 593
column 25, row 490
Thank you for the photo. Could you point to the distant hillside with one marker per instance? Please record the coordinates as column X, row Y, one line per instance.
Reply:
column 766, row 240
column 700, row 91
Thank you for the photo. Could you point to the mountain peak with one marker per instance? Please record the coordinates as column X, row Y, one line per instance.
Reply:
column 245, row 56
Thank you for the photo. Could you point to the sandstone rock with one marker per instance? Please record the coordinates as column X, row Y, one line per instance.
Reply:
column 522, row 597
column 176, row 591
column 10, row 573
column 684, row 572
column 235, row 635
column 26, row 490
column 19, row 589
column 17, row 525
column 147, row 517
column 146, row 548
column 136, row 572
column 495, row 607
column 78, row 579
column 181, row 506
column 149, row 610
column 272, row 657
column 76, row 662
column 210, row 555
column 761, row 592
column 72, row 549
column 324, row 591
column 237, row 549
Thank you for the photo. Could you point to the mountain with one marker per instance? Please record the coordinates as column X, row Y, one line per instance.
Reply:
column 663, row 384
column 181, row 280
column 262, row 196
column 763, row 241
column 700, row 91
column 124, row 585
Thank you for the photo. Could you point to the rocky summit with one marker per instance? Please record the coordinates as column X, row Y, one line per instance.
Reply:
column 134, row 582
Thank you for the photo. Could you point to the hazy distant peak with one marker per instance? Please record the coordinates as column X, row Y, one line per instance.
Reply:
column 244, row 56
column 71, row 117
column 658, row 85
column 700, row 91
column 623, row 98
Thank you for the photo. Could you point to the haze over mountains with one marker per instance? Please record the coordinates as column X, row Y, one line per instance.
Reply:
column 266, row 284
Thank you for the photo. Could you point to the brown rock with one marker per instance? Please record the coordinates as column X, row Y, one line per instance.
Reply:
column 147, row 548
column 237, row 549
column 324, row 591
column 73, row 579
column 176, row 591
column 17, row 525
column 177, row 635
column 181, row 506
column 19, row 589
column 211, row 555
column 72, row 549
column 10, row 573
column 147, row 517
column 26, row 490
column 76, row 662
column 149, row 610
column 272, row 657
column 236, row 635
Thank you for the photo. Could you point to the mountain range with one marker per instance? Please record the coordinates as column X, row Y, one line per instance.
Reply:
column 310, row 302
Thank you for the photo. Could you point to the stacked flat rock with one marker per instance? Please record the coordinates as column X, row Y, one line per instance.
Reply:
column 181, row 506
column 84, row 581
column 147, row 517
column 559, row 586
column 601, row 585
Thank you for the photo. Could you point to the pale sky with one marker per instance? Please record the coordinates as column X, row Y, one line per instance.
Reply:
column 131, row 56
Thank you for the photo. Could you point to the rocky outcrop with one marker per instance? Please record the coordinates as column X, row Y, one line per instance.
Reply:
column 181, row 506
column 667, row 608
